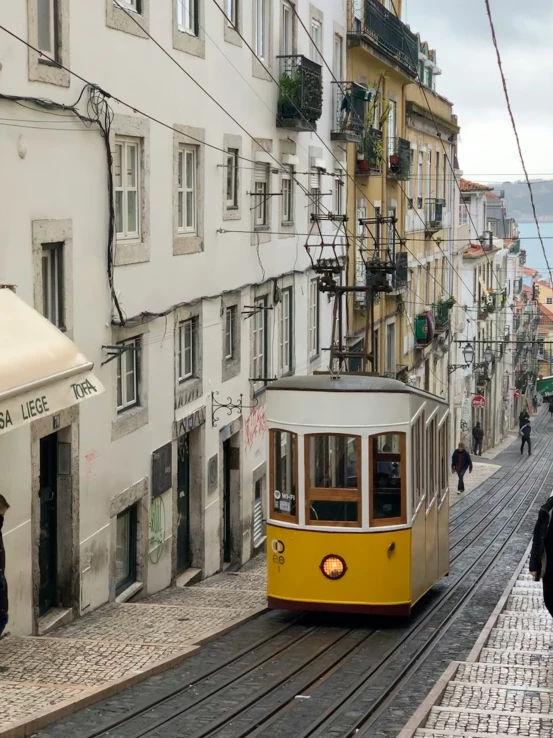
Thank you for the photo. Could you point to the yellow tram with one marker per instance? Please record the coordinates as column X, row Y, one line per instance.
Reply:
column 358, row 516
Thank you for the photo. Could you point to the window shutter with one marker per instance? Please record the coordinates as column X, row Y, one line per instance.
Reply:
column 314, row 179
column 261, row 172
column 258, row 529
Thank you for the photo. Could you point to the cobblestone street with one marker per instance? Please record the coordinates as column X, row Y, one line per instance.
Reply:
column 119, row 645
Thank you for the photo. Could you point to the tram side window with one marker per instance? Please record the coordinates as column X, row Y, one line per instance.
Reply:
column 444, row 459
column 284, row 473
column 387, row 454
column 417, row 457
column 334, row 487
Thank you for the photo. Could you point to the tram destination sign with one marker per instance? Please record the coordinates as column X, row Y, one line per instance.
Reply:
column 479, row 401
column 21, row 409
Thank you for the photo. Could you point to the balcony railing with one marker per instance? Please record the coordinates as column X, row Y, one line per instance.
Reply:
column 300, row 104
column 434, row 210
column 370, row 152
column 350, row 105
column 399, row 158
column 387, row 33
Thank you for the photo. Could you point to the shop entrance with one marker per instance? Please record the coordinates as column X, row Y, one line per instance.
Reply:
column 48, row 543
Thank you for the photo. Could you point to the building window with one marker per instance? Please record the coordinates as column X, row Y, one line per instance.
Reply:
column 47, row 24
column 261, row 190
column 186, row 190
column 420, row 177
column 232, row 179
column 259, row 341
column 315, row 192
column 125, row 550
column 232, row 11
column 286, row 332
column 391, row 349
column 187, row 16
column 410, row 181
column 287, row 39
column 262, row 29
column 131, row 5
column 313, row 318
column 230, row 332
column 316, row 40
column 187, row 349
column 338, row 193
column 549, row 301
column 288, row 195
column 127, row 374
column 463, row 211
column 52, row 283
column 126, row 175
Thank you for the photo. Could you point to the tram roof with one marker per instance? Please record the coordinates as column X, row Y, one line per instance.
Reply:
column 347, row 383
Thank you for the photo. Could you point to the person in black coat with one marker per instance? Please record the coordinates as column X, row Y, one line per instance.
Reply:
column 523, row 418
column 525, row 433
column 542, row 552
column 3, row 583
column 460, row 462
column 477, row 438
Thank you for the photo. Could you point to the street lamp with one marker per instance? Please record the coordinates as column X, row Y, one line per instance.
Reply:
column 468, row 353
column 489, row 354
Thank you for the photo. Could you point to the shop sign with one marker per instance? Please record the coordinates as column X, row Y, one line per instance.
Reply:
column 192, row 421
column 478, row 401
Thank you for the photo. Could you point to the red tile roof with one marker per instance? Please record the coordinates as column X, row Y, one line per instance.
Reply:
column 467, row 186
column 545, row 311
column 528, row 272
column 490, row 196
column 475, row 251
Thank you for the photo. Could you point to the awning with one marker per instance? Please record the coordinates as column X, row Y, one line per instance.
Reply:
column 41, row 370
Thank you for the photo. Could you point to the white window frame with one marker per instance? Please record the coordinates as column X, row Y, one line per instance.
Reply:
column 313, row 319
column 132, row 5
column 338, row 192
column 230, row 332
column 287, row 30
column 232, row 178
column 463, row 211
column 231, row 11
column 187, row 349
column 259, row 339
column 187, row 159
column 261, row 200
column 315, row 193
column 316, row 33
column 52, row 283
column 286, row 344
column 126, row 144
column 288, row 195
column 124, row 360
column 420, row 177
column 391, row 347
column 262, row 30
column 187, row 16
column 52, row 30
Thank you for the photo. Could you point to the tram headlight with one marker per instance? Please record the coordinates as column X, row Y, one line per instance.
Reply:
column 333, row 567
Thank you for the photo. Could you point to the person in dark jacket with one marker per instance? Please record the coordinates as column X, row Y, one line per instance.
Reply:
column 542, row 553
column 525, row 433
column 460, row 462
column 477, row 438
column 3, row 583
column 535, row 403
column 523, row 418
column 551, row 406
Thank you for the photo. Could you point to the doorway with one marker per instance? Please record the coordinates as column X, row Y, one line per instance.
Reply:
column 227, row 527
column 48, row 543
column 184, row 557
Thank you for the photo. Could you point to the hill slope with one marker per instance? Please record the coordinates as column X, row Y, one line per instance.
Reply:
column 518, row 199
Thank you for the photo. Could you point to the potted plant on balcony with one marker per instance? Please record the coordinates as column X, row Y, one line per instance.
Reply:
column 290, row 96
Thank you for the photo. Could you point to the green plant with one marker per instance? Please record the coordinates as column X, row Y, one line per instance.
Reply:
column 290, row 85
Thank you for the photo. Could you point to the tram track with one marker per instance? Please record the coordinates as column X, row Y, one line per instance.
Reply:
column 270, row 693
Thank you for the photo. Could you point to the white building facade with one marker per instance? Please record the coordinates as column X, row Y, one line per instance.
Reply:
column 164, row 233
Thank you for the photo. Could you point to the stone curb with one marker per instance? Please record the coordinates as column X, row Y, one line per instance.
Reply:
column 26, row 727
column 418, row 719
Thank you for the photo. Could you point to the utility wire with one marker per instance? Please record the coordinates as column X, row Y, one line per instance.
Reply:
column 515, row 131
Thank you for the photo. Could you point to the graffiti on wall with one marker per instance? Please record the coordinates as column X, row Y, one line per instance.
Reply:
column 255, row 426
column 156, row 533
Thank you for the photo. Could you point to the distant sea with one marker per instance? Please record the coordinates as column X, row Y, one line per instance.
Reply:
column 530, row 242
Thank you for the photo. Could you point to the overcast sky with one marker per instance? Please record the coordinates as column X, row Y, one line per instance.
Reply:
column 459, row 31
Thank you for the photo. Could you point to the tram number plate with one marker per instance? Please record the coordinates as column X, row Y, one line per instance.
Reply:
column 278, row 559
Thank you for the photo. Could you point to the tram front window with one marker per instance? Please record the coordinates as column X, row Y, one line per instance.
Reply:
column 387, row 501
column 333, row 485
column 284, row 465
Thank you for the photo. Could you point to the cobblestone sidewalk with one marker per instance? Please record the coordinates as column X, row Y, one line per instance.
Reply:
column 42, row 679
column 480, row 472
column 505, row 688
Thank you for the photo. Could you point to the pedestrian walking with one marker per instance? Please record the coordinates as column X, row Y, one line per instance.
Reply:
column 523, row 418
column 477, row 438
column 525, row 433
column 535, row 403
column 542, row 552
column 551, row 406
column 460, row 462
column 3, row 582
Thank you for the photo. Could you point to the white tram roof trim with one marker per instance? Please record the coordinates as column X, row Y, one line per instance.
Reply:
column 348, row 383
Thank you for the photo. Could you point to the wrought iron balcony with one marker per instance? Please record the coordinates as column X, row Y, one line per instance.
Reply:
column 434, row 214
column 350, row 104
column 300, row 103
column 399, row 158
column 370, row 152
column 380, row 28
